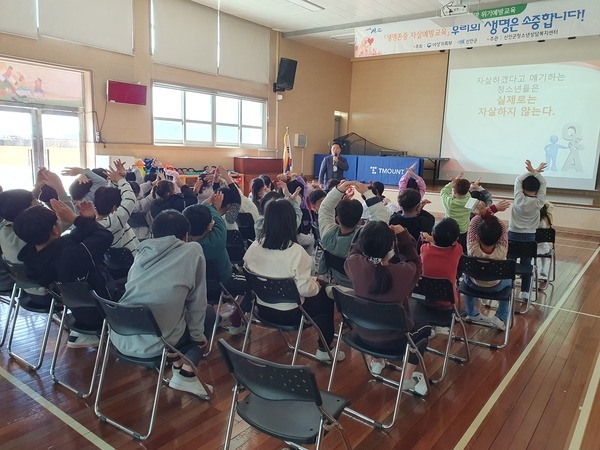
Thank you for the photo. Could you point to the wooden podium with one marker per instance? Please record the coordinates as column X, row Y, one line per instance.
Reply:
column 250, row 167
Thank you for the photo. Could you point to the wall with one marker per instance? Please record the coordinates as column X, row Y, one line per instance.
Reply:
column 398, row 102
column 322, row 85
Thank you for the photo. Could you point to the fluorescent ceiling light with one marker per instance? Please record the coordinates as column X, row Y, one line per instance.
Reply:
column 307, row 5
column 343, row 37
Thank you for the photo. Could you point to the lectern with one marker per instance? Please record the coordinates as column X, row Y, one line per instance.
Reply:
column 251, row 167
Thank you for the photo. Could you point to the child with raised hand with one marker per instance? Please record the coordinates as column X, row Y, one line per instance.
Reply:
column 488, row 238
column 440, row 254
column 530, row 196
column 410, row 180
column 455, row 196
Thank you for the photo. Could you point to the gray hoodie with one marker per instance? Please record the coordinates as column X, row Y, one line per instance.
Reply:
column 168, row 276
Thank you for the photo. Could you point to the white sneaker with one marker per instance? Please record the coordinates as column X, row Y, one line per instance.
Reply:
column 416, row 384
column 524, row 296
column 236, row 330
column 322, row 355
column 377, row 365
column 498, row 323
column 442, row 330
column 188, row 384
column 77, row 340
column 479, row 318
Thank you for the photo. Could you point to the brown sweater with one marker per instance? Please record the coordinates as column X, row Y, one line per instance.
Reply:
column 405, row 275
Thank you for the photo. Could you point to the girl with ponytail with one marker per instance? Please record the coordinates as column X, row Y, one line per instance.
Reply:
column 384, row 266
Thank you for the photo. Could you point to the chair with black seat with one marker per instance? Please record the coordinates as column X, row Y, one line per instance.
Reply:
column 334, row 262
column 245, row 223
column 382, row 317
column 216, row 295
column 236, row 246
column 490, row 270
column 282, row 401
column 518, row 250
column 20, row 299
column 131, row 320
column 76, row 298
column 6, row 283
column 423, row 304
column 280, row 290
column 548, row 235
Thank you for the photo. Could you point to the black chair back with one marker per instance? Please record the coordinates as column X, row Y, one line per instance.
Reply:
column 128, row 320
column 369, row 314
column 245, row 223
column 17, row 272
column 545, row 235
column 518, row 249
column 273, row 290
column 334, row 262
column 487, row 269
column 269, row 380
column 213, row 288
column 236, row 246
column 429, row 290
column 75, row 294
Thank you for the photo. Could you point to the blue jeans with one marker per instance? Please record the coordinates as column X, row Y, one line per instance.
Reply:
column 523, row 237
column 502, row 311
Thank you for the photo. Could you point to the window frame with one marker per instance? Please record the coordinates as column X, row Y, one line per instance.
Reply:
column 182, row 121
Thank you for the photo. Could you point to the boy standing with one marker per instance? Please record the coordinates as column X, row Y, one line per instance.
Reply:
column 530, row 196
column 455, row 196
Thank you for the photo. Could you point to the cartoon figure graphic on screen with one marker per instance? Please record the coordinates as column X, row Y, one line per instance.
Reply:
column 551, row 151
column 572, row 134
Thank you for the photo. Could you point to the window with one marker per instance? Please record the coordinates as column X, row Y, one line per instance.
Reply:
column 184, row 116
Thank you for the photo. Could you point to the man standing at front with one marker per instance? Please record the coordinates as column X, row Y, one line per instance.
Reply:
column 333, row 166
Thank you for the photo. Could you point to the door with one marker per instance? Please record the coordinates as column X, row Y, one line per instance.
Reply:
column 16, row 149
column 31, row 138
column 61, row 142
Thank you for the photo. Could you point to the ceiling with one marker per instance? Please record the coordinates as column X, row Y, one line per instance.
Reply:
column 332, row 28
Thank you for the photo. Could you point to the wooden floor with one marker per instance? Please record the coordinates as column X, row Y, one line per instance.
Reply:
column 538, row 393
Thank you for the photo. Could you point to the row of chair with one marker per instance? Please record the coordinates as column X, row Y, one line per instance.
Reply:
column 326, row 407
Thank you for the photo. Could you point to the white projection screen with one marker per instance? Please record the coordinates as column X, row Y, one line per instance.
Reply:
column 538, row 101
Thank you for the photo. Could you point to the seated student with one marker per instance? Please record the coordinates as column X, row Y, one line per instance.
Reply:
column 165, row 198
column 339, row 222
column 412, row 216
column 378, row 189
column 208, row 228
column 530, row 196
column 50, row 257
column 281, row 193
column 268, row 182
column 410, row 180
column 277, row 254
column 232, row 199
column 488, row 238
column 247, row 206
column 140, row 219
column 169, row 277
column 315, row 198
column 86, row 184
column 114, row 206
column 12, row 203
column 477, row 191
column 455, row 196
column 257, row 190
column 384, row 267
column 305, row 237
column 441, row 253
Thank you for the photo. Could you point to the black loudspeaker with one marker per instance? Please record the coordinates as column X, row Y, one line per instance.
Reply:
column 285, row 75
